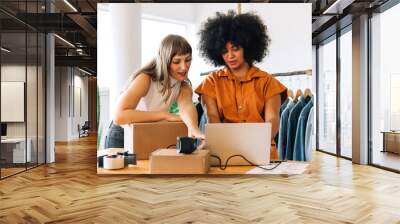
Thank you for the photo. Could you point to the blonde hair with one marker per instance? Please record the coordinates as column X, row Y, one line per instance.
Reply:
column 158, row 68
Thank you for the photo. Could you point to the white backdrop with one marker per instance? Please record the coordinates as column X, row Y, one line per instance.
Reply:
column 289, row 28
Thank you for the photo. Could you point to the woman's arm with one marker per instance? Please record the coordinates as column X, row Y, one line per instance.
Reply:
column 271, row 112
column 211, row 109
column 126, row 112
column 188, row 112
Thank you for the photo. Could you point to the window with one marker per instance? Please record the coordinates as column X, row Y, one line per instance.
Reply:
column 22, row 65
column 385, row 88
column 346, row 94
column 327, row 96
column 153, row 31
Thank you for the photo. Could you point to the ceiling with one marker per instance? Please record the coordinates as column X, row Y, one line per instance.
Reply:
column 76, row 23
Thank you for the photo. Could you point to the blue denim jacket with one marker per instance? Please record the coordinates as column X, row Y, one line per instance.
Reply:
column 299, row 143
column 283, row 106
column 283, row 130
column 292, row 125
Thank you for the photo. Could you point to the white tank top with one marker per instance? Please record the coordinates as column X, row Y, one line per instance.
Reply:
column 154, row 100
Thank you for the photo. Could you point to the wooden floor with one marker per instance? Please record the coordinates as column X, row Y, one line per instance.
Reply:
column 69, row 191
column 10, row 171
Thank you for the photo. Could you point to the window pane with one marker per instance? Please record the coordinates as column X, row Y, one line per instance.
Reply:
column 31, row 98
column 41, row 99
column 13, row 86
column 327, row 97
column 346, row 94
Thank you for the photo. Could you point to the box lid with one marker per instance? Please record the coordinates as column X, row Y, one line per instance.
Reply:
column 174, row 152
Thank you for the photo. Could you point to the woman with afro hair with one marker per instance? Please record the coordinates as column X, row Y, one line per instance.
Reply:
column 240, row 91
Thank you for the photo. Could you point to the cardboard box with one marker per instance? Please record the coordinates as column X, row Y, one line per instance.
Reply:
column 144, row 138
column 169, row 161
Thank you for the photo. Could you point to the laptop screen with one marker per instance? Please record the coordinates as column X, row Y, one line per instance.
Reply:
column 250, row 140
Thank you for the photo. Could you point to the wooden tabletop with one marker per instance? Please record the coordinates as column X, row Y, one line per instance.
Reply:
column 142, row 167
column 289, row 168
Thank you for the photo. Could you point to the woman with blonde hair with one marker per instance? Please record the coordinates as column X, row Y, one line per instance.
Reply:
column 154, row 88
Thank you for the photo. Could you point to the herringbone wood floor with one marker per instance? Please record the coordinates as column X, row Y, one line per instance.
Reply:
column 69, row 191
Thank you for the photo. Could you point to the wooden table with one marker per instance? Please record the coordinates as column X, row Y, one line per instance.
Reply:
column 286, row 168
column 142, row 167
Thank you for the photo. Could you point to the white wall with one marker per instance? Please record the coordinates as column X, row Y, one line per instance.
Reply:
column 119, row 51
column 175, row 11
column 290, row 48
column 61, row 103
column 291, row 35
column 119, row 47
column 69, row 79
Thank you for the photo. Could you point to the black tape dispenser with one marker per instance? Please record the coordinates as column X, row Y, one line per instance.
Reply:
column 187, row 145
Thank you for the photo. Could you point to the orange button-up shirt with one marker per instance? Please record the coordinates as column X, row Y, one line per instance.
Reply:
column 241, row 100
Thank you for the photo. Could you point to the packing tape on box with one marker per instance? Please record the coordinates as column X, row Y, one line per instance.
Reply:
column 113, row 162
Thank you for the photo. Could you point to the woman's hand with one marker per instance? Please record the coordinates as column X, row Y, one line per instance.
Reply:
column 196, row 133
column 172, row 117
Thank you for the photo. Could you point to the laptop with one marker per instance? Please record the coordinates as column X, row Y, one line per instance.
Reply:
column 251, row 140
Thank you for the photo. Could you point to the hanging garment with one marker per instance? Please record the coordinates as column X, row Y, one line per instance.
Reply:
column 299, row 143
column 283, row 106
column 309, row 134
column 292, row 125
column 283, row 130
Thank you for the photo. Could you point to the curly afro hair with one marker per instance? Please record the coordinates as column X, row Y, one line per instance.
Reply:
column 245, row 30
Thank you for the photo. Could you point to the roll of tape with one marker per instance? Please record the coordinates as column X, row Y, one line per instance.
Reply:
column 113, row 162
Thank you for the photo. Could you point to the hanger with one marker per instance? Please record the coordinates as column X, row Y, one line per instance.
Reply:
column 298, row 94
column 290, row 93
column 307, row 92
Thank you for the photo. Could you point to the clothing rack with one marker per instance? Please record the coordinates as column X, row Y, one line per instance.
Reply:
column 296, row 128
column 303, row 72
